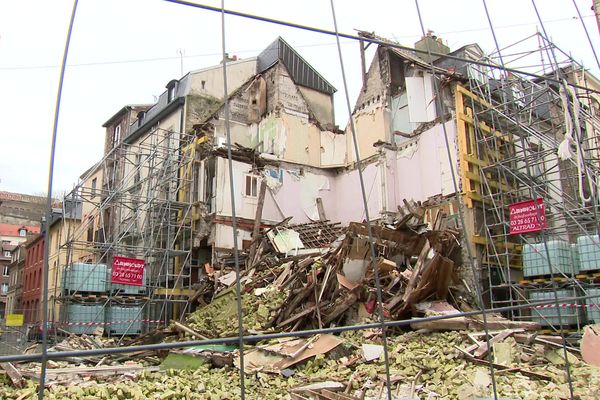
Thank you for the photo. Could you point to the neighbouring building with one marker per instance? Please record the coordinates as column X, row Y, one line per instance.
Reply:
column 66, row 223
column 15, row 280
column 32, row 279
column 10, row 237
column 21, row 209
column 6, row 249
column 491, row 138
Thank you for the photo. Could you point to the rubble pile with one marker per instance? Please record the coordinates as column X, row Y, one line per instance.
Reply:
column 422, row 366
column 289, row 286
column 315, row 276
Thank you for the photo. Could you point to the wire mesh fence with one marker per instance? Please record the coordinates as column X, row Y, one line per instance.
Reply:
column 493, row 172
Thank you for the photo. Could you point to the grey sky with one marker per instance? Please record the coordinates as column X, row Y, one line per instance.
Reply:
column 125, row 51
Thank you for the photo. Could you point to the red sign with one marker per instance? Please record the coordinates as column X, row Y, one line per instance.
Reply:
column 128, row 271
column 527, row 216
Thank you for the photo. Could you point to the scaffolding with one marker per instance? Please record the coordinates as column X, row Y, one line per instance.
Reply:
column 142, row 211
column 510, row 127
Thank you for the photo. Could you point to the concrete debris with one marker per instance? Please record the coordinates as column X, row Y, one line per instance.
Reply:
column 590, row 345
column 289, row 288
column 422, row 366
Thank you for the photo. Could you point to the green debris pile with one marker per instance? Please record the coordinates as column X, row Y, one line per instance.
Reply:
column 422, row 366
column 220, row 317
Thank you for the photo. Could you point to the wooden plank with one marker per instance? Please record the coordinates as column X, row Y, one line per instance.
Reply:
column 321, row 209
column 416, row 271
column 186, row 329
column 15, row 376
column 483, row 348
column 501, row 367
column 257, row 221
column 461, row 135
column 297, row 316
column 506, row 137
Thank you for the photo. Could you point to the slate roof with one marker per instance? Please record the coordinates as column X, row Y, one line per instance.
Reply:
column 301, row 71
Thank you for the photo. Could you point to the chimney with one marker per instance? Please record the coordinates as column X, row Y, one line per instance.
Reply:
column 435, row 44
column 229, row 59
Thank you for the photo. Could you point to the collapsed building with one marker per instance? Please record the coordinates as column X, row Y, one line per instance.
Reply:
column 451, row 135
column 455, row 157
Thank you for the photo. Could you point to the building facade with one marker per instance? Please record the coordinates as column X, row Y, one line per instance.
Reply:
column 15, row 280
column 32, row 279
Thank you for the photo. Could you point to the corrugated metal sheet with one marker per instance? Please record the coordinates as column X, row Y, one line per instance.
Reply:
column 301, row 71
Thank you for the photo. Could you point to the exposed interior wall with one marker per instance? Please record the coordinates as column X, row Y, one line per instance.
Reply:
column 344, row 201
column 209, row 81
column 321, row 104
column 292, row 194
column 222, row 236
column 372, row 124
column 420, row 168
column 333, row 149
column 303, row 140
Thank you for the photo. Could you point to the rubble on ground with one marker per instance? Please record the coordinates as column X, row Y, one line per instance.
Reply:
column 319, row 275
column 316, row 276
column 423, row 365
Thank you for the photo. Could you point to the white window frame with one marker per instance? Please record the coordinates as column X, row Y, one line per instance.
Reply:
column 5, row 272
column 117, row 136
column 251, row 185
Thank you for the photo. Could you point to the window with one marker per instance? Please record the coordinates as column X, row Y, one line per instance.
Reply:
column 140, row 117
column 251, row 186
column 90, row 230
column 4, row 288
column 138, row 166
column 171, row 87
column 94, row 182
column 22, row 232
column 5, row 272
column 7, row 254
column 116, row 136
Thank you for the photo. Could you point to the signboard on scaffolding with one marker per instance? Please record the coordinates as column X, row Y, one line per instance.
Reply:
column 14, row 320
column 128, row 271
column 527, row 216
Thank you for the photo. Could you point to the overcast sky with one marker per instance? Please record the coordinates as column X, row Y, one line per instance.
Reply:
column 125, row 51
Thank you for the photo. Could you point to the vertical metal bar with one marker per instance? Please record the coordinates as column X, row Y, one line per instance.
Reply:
column 533, row 189
column 238, row 285
column 49, row 207
column 587, row 34
column 366, row 208
column 472, row 260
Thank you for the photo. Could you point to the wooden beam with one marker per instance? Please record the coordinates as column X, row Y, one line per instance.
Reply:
column 257, row 221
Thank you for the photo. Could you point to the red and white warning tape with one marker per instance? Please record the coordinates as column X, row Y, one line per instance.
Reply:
column 566, row 305
column 147, row 321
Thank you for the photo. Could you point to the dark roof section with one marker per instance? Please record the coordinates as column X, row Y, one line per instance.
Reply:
column 301, row 71
column 123, row 110
column 161, row 108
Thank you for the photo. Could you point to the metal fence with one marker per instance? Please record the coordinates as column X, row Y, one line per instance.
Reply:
column 14, row 340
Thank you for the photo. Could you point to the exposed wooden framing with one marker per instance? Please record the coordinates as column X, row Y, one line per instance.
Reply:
column 257, row 222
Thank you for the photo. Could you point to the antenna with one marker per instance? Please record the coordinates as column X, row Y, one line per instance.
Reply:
column 181, row 52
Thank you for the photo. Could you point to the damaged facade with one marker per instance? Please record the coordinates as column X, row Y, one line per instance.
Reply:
column 165, row 198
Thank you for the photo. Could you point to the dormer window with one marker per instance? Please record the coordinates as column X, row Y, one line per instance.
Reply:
column 171, row 88
column 140, row 117
column 117, row 136
column 22, row 232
